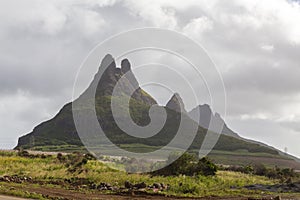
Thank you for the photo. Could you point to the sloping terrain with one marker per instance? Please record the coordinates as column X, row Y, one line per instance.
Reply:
column 60, row 131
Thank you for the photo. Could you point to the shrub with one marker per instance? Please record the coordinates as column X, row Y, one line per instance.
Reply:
column 206, row 167
column 74, row 162
column 23, row 153
column 187, row 164
column 90, row 156
column 261, row 170
column 26, row 154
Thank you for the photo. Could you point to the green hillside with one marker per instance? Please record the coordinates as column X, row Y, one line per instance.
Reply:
column 59, row 133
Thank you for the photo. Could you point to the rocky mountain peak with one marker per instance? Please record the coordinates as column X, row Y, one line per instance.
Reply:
column 109, row 62
column 204, row 116
column 125, row 66
column 176, row 103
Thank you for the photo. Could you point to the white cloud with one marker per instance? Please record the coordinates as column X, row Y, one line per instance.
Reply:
column 197, row 26
column 91, row 22
column 261, row 116
column 268, row 48
column 153, row 13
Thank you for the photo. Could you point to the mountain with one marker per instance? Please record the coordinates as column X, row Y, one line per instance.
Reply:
column 176, row 103
column 61, row 129
column 206, row 116
column 59, row 133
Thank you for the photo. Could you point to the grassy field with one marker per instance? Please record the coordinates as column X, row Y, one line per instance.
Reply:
column 237, row 157
column 49, row 170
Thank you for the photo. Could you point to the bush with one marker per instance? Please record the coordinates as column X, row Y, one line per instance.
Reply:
column 26, row 154
column 261, row 170
column 243, row 169
column 23, row 153
column 75, row 161
column 206, row 167
column 187, row 164
column 90, row 156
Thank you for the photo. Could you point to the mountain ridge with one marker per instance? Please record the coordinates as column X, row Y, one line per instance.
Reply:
column 204, row 116
column 61, row 130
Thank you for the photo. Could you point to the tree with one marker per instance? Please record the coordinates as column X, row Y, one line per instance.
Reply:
column 187, row 164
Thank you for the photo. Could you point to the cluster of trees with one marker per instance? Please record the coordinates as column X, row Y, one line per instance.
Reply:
column 187, row 164
column 283, row 174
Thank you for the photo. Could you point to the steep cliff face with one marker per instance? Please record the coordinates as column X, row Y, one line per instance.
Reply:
column 106, row 81
column 201, row 114
column 176, row 103
column 204, row 116
column 61, row 130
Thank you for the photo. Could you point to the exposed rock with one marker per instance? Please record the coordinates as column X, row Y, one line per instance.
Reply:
column 141, row 185
column 157, row 185
column 176, row 103
column 128, row 185
column 16, row 179
column 61, row 129
column 93, row 186
column 204, row 116
column 125, row 66
column 277, row 198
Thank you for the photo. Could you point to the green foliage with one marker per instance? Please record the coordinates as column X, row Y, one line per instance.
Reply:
column 260, row 170
column 60, row 131
column 187, row 164
column 282, row 174
column 7, row 153
column 24, row 153
column 75, row 161
column 248, row 169
column 206, row 167
column 135, row 165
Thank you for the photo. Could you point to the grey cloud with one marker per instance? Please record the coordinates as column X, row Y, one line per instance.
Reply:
column 293, row 125
column 267, row 131
column 42, row 47
column 266, row 77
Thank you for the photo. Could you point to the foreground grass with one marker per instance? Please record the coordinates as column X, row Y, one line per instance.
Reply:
column 225, row 183
column 10, row 190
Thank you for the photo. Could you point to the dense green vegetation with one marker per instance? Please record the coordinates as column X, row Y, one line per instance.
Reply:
column 187, row 164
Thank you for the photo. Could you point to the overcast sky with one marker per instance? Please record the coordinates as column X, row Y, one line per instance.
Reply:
column 254, row 43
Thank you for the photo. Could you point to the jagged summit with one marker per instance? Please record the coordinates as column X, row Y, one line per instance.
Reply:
column 60, row 131
column 176, row 103
column 125, row 65
column 206, row 117
column 201, row 112
column 105, row 81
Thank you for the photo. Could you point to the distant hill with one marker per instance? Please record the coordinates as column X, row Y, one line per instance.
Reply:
column 59, row 133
